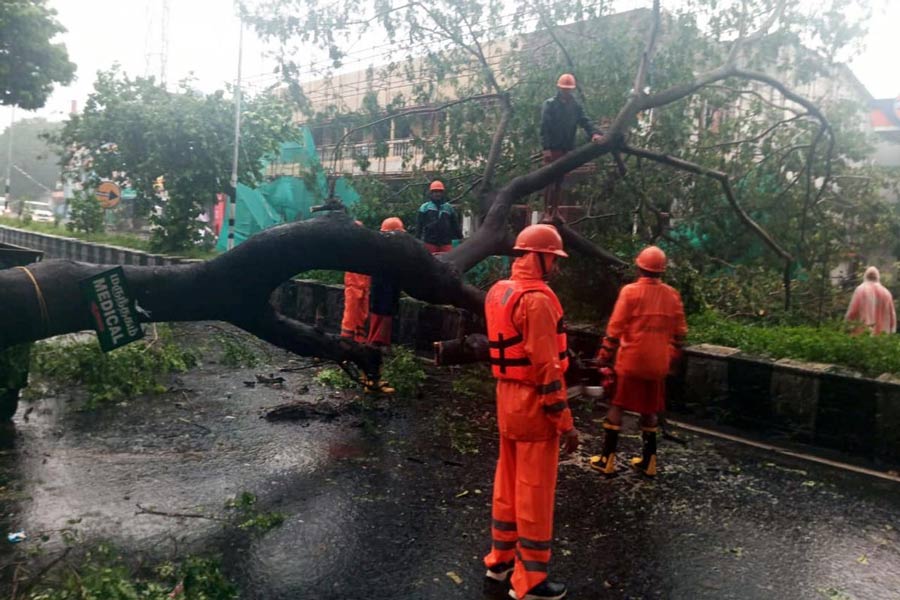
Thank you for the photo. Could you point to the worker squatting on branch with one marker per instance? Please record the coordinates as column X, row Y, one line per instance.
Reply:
column 561, row 115
column 356, row 305
column 872, row 306
column 437, row 223
column 385, row 297
column 643, row 342
column 524, row 319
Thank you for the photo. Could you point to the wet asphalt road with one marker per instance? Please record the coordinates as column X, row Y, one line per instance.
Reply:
column 382, row 504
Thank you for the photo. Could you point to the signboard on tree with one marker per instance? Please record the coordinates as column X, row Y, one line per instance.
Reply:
column 112, row 307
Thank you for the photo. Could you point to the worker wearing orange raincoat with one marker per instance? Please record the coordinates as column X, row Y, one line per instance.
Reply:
column 873, row 306
column 356, row 305
column 643, row 338
column 527, row 343
column 384, row 296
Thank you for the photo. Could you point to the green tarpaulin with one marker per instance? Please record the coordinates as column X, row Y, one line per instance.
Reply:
column 286, row 198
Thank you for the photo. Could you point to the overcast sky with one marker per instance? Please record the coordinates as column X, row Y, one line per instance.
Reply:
column 203, row 41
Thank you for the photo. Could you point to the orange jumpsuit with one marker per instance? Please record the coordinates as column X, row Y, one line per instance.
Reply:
column 531, row 412
column 356, row 306
column 648, row 327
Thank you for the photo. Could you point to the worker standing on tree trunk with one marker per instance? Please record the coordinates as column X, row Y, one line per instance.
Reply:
column 527, row 344
column 356, row 305
column 385, row 297
column 643, row 341
column 873, row 306
column 561, row 115
column 438, row 224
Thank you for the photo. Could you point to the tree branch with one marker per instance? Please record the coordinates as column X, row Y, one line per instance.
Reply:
column 755, row 138
column 723, row 180
column 760, row 97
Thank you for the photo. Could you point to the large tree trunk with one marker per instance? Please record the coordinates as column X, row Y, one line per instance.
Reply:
column 236, row 287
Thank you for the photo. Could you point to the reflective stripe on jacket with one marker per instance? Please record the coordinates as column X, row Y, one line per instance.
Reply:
column 438, row 224
column 507, row 346
column 531, row 390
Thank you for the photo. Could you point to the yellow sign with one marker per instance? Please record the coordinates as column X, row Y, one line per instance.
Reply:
column 108, row 194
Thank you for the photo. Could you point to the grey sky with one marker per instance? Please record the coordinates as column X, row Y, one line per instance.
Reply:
column 203, row 40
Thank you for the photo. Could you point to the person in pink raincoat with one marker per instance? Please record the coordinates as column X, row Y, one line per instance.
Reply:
column 873, row 306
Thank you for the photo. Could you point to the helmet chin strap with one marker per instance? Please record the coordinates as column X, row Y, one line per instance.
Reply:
column 545, row 273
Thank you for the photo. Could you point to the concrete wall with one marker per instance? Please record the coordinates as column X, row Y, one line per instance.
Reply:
column 418, row 324
column 54, row 246
column 819, row 404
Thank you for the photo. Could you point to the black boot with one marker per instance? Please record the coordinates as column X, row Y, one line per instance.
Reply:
column 646, row 464
column 606, row 462
column 500, row 572
column 545, row 590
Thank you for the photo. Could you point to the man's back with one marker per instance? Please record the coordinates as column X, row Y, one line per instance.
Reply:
column 648, row 316
column 873, row 305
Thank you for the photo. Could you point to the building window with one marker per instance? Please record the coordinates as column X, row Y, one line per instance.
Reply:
column 402, row 128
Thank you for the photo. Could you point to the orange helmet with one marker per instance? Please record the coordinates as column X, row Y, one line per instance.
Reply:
column 540, row 238
column 392, row 224
column 566, row 81
column 651, row 259
column 436, row 186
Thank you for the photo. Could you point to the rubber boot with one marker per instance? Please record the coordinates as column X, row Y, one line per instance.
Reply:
column 501, row 572
column 378, row 386
column 546, row 590
column 606, row 462
column 646, row 464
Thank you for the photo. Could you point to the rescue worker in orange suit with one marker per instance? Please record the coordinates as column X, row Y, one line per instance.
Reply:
column 643, row 341
column 356, row 305
column 384, row 299
column 438, row 224
column 527, row 344
column 561, row 115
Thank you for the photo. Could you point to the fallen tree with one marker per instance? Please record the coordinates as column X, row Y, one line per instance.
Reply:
column 237, row 286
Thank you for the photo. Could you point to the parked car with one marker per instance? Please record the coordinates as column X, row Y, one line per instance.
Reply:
column 42, row 216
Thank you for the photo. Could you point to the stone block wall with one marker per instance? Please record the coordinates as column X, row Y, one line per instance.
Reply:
column 55, row 246
column 417, row 325
column 813, row 403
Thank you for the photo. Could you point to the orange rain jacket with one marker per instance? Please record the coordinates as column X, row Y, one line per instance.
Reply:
column 648, row 326
column 356, row 306
column 532, row 406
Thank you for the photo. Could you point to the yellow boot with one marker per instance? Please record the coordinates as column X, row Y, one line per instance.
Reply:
column 379, row 386
column 606, row 462
column 646, row 463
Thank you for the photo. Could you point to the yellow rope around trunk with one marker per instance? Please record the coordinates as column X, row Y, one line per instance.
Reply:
column 45, row 315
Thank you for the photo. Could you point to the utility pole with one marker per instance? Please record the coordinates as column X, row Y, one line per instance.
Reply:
column 164, row 44
column 9, row 149
column 232, row 200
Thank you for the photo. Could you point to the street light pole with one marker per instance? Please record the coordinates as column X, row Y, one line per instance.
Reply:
column 9, row 148
column 232, row 200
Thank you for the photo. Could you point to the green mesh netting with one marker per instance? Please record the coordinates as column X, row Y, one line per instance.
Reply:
column 286, row 198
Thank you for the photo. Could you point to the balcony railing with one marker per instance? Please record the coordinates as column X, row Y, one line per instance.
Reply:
column 402, row 156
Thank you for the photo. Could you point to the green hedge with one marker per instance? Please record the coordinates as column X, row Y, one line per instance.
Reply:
column 830, row 343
